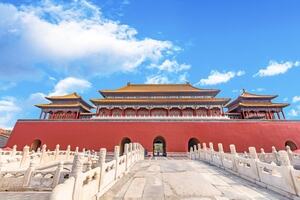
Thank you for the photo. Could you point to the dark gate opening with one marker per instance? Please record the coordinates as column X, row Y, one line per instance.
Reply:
column 291, row 144
column 124, row 141
column 159, row 146
column 192, row 142
column 35, row 145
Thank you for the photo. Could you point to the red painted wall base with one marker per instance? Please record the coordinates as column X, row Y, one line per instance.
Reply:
column 95, row 134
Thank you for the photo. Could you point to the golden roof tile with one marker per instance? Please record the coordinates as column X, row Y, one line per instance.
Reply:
column 158, row 100
column 251, row 95
column 69, row 105
column 73, row 95
column 159, row 88
column 263, row 104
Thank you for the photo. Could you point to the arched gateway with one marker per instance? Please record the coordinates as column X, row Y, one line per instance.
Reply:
column 124, row 141
column 35, row 144
column 291, row 144
column 192, row 142
column 159, row 146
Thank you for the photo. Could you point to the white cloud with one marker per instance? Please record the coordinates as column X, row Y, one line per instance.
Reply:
column 258, row 90
column 275, row 68
column 71, row 37
column 215, row 77
column 171, row 66
column 296, row 99
column 9, row 108
column 183, row 77
column 157, row 79
column 294, row 112
column 70, row 84
column 62, row 87
column 37, row 98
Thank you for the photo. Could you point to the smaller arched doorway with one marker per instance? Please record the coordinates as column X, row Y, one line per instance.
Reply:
column 192, row 142
column 35, row 145
column 159, row 146
column 291, row 144
column 124, row 141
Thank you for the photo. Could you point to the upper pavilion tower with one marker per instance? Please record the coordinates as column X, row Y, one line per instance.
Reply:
column 255, row 106
column 70, row 106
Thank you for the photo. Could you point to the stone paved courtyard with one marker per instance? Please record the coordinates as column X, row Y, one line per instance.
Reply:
column 184, row 179
column 172, row 179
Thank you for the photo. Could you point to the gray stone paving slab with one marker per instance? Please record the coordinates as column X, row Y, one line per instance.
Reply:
column 24, row 195
column 172, row 179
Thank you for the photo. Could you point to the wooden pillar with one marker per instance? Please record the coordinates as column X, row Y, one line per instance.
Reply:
column 278, row 116
column 41, row 114
column 135, row 111
column 77, row 115
column 194, row 112
column 283, row 114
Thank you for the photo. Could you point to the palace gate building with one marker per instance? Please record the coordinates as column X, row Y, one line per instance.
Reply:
column 164, row 118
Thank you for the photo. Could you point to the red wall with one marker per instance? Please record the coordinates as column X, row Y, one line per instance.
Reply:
column 95, row 134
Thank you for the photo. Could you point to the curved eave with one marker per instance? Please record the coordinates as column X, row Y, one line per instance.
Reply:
column 106, row 93
column 222, row 101
column 259, row 97
column 42, row 106
column 280, row 105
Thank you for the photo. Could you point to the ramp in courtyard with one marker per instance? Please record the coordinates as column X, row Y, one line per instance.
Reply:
column 180, row 178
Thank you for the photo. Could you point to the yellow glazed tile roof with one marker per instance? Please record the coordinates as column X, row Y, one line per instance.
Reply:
column 250, row 95
column 69, row 105
column 262, row 104
column 159, row 88
column 165, row 100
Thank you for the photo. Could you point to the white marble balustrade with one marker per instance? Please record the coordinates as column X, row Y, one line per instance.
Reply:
column 73, row 174
column 273, row 171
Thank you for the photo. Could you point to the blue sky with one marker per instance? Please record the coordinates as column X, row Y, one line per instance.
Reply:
column 55, row 47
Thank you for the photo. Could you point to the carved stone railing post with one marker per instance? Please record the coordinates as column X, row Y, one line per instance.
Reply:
column 191, row 153
column 221, row 153
column 204, row 151
column 77, row 166
column 68, row 151
column 14, row 151
column 234, row 156
column 25, row 155
column 43, row 153
column 77, row 169
column 28, row 174
column 130, row 155
column 254, row 161
column 287, row 170
column 262, row 155
column 275, row 155
column 211, row 152
column 101, row 162
column 126, row 146
column 116, row 157
column 199, row 150
column 57, row 174
column 290, row 154
column 56, row 153
column 76, row 150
